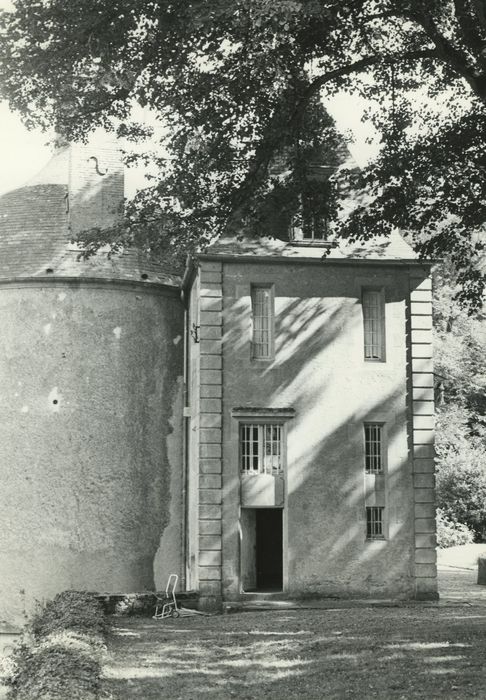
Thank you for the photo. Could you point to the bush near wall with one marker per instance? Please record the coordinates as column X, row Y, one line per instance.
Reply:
column 451, row 533
column 62, row 659
column 461, row 488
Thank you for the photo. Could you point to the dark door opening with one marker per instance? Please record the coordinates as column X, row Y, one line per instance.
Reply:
column 269, row 555
column 261, row 549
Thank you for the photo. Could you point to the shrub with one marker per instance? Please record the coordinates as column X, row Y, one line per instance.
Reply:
column 63, row 659
column 54, row 672
column 451, row 533
column 75, row 610
column 461, row 488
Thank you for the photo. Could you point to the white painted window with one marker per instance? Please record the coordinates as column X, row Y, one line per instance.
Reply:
column 373, row 324
column 375, row 526
column 309, row 228
column 261, row 448
column 374, row 448
column 262, row 314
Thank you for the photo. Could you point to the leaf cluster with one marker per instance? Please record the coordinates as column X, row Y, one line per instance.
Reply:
column 451, row 533
column 460, row 363
column 237, row 85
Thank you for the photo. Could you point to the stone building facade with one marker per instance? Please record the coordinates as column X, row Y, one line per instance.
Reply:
column 264, row 425
column 311, row 452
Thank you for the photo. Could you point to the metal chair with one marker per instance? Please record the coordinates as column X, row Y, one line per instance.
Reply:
column 167, row 606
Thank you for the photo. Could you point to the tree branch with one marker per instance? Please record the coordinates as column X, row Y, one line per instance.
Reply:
column 480, row 12
column 268, row 147
column 357, row 67
column 455, row 58
column 468, row 27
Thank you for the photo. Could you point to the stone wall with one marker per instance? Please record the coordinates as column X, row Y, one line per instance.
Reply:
column 90, row 438
column 205, row 347
column 319, row 371
column 422, row 389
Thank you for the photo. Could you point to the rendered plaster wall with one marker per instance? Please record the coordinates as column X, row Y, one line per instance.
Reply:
column 90, row 439
column 319, row 370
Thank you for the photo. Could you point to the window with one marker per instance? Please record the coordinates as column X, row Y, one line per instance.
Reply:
column 310, row 223
column 374, row 325
column 262, row 322
column 373, row 448
column 374, row 523
column 261, row 448
column 309, row 228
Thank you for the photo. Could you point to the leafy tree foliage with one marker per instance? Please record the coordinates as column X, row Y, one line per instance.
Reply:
column 460, row 361
column 461, row 485
column 236, row 85
column 459, row 358
column 451, row 533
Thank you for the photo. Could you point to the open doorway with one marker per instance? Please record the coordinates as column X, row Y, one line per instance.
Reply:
column 261, row 549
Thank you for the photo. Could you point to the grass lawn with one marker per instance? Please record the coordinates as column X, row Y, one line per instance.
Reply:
column 396, row 652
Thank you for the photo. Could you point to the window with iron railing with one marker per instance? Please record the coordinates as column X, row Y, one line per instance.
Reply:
column 262, row 315
column 261, row 448
column 375, row 526
column 373, row 324
column 374, row 454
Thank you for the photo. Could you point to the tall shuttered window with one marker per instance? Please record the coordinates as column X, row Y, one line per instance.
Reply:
column 373, row 324
column 373, row 433
column 262, row 322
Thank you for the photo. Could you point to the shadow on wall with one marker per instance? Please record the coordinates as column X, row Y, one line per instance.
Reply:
column 319, row 371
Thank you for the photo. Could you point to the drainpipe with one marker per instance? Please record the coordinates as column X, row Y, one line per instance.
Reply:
column 185, row 448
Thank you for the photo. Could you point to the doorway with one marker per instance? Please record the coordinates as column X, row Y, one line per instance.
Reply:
column 262, row 549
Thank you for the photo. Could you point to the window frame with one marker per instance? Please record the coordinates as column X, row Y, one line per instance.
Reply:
column 245, row 415
column 371, row 521
column 254, row 287
column 261, row 425
column 382, row 448
column 298, row 231
column 380, row 292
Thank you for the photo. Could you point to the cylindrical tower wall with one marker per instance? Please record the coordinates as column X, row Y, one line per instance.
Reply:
column 90, row 437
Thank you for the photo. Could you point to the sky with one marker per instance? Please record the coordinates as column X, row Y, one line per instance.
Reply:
column 23, row 153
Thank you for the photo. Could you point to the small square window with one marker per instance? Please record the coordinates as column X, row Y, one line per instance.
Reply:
column 373, row 433
column 375, row 523
column 373, row 324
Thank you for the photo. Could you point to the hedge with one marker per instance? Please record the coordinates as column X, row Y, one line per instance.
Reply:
column 62, row 660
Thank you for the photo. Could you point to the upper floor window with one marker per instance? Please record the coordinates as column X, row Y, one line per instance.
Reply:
column 373, row 324
column 311, row 221
column 309, row 227
column 261, row 448
column 262, row 313
column 374, row 462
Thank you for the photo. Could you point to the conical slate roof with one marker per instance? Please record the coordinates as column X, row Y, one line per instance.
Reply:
column 81, row 187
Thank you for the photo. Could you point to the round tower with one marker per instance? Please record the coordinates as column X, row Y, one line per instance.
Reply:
column 91, row 357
